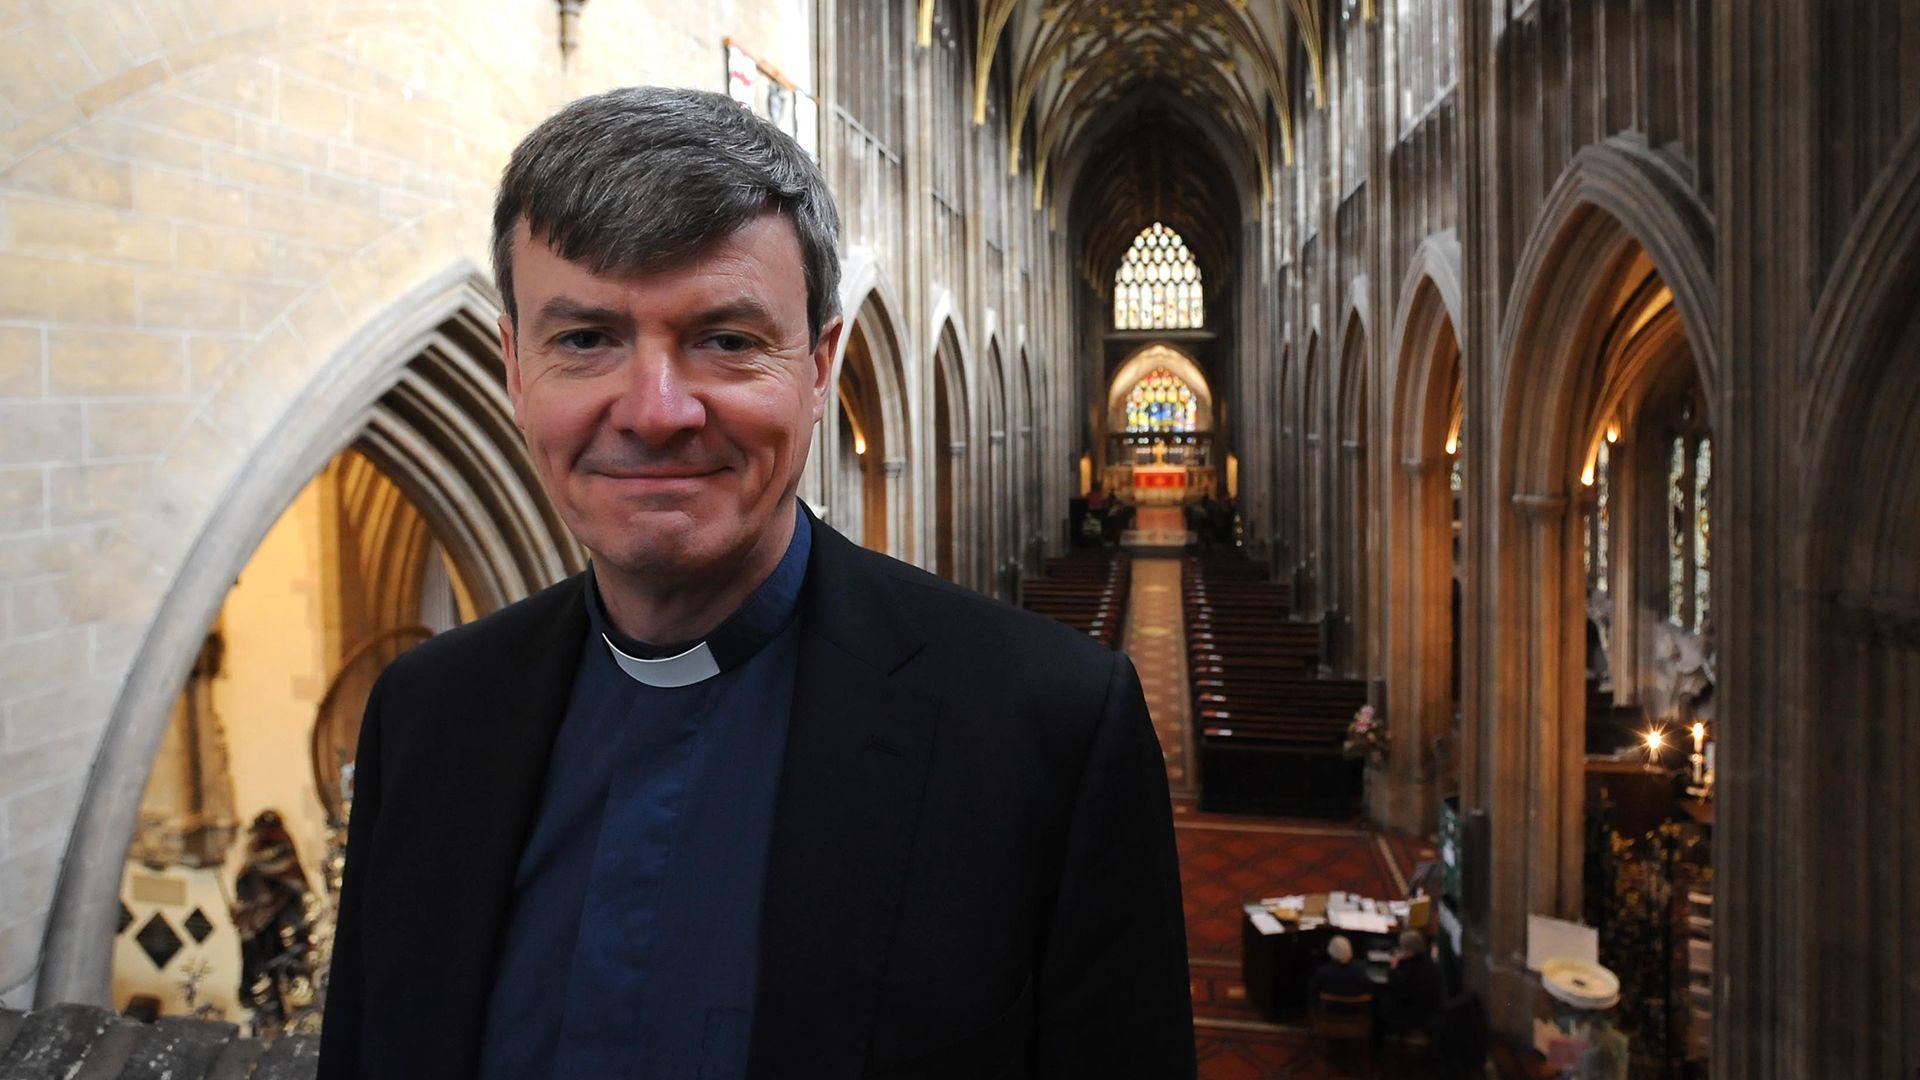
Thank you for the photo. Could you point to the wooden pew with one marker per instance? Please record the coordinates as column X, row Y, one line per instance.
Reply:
column 1086, row 590
column 1269, row 726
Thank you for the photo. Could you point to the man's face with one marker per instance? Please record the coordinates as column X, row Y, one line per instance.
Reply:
column 669, row 412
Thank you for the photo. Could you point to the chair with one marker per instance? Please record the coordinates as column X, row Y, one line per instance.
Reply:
column 1411, row 1047
column 1343, row 1018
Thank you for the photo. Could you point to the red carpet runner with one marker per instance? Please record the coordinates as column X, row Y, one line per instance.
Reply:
column 1226, row 861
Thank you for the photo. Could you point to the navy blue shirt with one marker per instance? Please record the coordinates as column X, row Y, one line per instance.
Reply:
column 633, row 945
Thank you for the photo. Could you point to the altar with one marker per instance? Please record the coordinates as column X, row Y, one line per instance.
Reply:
column 1154, row 484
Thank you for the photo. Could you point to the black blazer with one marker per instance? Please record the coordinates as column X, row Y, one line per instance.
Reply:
column 972, row 871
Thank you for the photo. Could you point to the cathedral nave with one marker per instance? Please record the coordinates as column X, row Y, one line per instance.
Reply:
column 1484, row 426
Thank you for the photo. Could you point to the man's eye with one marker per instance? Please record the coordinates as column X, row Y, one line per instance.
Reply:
column 730, row 342
column 581, row 340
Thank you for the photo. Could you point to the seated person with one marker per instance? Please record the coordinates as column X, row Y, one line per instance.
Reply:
column 1339, row 975
column 1414, row 988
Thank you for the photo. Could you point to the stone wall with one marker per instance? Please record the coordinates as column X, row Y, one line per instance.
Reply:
column 200, row 205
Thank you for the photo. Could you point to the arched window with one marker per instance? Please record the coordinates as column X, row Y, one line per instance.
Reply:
column 1689, row 529
column 1162, row 402
column 1158, row 284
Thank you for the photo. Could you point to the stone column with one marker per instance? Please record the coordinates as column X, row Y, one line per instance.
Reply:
column 1767, row 900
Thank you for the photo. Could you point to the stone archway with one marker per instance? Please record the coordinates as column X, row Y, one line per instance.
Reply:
column 1848, row 748
column 1286, row 496
column 997, row 493
column 1423, row 646
column 1349, row 537
column 1031, row 539
column 866, row 434
column 1616, row 211
column 952, row 479
column 1308, row 491
column 420, row 391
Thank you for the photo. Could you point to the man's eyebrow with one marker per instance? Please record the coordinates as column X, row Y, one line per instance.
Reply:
column 744, row 309
column 566, row 309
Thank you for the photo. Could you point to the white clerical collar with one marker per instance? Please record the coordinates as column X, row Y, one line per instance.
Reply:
column 695, row 665
column 764, row 615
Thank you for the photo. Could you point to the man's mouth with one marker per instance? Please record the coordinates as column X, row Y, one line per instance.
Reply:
column 662, row 474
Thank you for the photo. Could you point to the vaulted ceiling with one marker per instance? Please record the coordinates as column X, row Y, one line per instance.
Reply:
column 1071, row 59
column 1150, row 165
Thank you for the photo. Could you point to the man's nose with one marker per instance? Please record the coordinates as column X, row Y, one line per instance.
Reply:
column 658, row 402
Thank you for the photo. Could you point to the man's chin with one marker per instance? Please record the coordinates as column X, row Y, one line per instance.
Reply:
column 662, row 543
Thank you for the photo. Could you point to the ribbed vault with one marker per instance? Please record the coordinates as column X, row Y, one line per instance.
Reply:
column 1070, row 59
column 1154, row 168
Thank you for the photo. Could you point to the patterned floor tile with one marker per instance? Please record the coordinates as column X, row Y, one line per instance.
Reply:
column 1229, row 860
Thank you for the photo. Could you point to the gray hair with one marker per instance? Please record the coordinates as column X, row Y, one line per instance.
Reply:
column 1340, row 949
column 1413, row 941
column 646, row 177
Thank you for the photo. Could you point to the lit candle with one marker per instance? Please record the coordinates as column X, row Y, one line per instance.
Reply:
column 1699, row 735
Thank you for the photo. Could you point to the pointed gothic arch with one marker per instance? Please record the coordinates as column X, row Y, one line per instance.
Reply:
column 1618, row 216
column 420, row 391
column 1310, row 409
column 1350, row 528
column 997, row 479
column 1029, row 468
column 1862, row 642
column 1424, row 514
column 953, row 540
column 867, row 436
column 1286, row 479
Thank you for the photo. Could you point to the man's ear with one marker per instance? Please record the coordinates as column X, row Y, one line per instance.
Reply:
column 510, row 353
column 824, row 350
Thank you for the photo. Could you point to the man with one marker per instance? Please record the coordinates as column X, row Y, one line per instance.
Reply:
column 1414, row 987
column 743, row 799
column 1338, row 974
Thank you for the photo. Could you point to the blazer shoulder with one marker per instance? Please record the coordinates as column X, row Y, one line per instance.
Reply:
column 494, row 638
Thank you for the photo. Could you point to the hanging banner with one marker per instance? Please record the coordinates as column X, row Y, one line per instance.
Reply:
column 766, row 93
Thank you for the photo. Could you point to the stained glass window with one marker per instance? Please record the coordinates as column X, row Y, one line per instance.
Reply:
column 1158, row 284
column 1679, row 527
column 1162, row 402
column 1702, row 562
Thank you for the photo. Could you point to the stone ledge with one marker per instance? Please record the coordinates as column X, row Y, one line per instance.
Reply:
column 67, row 1042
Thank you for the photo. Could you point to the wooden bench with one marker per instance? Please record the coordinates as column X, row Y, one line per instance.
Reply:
column 1269, row 727
column 1086, row 590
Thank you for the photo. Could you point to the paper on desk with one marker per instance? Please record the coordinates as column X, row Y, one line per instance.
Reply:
column 1361, row 922
column 1266, row 924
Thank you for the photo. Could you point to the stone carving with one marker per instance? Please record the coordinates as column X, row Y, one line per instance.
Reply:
column 1682, row 678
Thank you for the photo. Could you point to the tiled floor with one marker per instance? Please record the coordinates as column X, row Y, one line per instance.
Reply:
column 1158, row 647
column 1227, row 860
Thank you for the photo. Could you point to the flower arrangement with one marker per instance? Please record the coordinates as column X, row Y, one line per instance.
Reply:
column 1366, row 737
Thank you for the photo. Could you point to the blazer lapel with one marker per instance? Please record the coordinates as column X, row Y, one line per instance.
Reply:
column 467, row 827
column 858, row 746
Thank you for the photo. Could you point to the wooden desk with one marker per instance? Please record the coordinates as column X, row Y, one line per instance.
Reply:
column 1275, row 967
